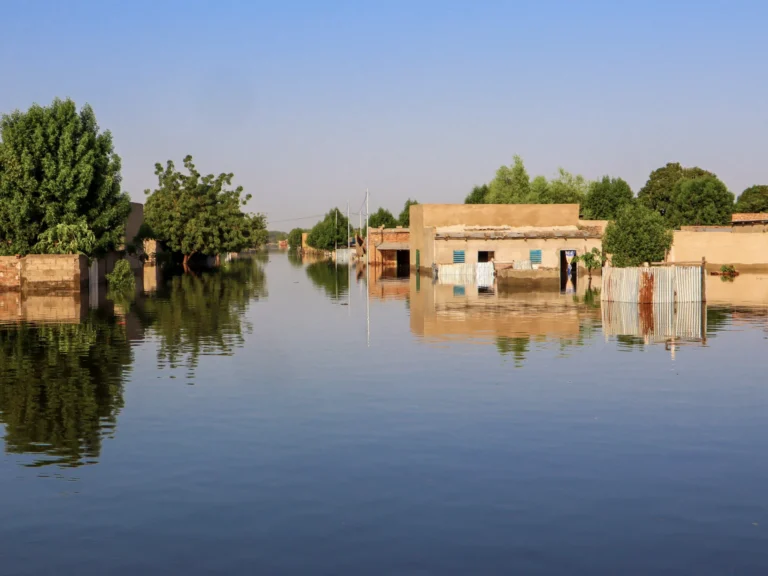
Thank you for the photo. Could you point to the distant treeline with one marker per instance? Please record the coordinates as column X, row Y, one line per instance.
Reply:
column 682, row 196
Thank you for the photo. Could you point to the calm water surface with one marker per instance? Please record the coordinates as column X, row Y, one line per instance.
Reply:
column 287, row 417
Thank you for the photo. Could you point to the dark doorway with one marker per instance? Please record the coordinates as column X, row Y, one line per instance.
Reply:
column 403, row 263
column 485, row 256
column 568, row 271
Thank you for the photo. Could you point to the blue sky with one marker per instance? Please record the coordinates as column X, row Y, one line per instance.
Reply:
column 309, row 103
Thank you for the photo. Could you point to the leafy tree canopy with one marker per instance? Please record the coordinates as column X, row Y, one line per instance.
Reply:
column 753, row 200
column 405, row 215
column 657, row 192
column 294, row 237
column 478, row 195
column 57, row 168
column 382, row 217
column 638, row 235
column 512, row 185
column 330, row 232
column 703, row 201
column 606, row 197
column 195, row 214
column 566, row 188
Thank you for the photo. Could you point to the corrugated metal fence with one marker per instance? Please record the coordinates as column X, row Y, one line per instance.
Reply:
column 481, row 273
column 657, row 284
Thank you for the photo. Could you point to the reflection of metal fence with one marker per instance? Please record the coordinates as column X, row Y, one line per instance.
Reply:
column 656, row 322
column 522, row 265
column 657, row 284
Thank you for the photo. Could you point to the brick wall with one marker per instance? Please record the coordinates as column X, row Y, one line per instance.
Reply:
column 44, row 272
column 380, row 235
column 10, row 271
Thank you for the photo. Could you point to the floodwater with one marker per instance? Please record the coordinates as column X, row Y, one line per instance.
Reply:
column 285, row 417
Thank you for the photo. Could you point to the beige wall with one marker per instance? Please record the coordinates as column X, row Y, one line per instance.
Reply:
column 514, row 215
column 514, row 249
column 44, row 272
column 744, row 251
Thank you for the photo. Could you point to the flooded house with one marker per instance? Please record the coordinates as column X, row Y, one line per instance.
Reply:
column 514, row 241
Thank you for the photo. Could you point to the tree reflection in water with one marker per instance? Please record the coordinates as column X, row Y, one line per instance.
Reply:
column 61, row 385
column 61, row 388
column 203, row 315
column 332, row 279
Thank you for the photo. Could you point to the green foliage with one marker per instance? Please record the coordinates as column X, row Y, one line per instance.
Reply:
column 512, row 185
column 61, row 388
column 382, row 217
column 728, row 270
column 56, row 168
column 566, row 188
column 121, row 278
column 330, row 232
column 703, row 201
column 195, row 214
column 753, row 200
column 657, row 192
column 276, row 236
column 294, row 238
column 405, row 215
column 66, row 239
column 606, row 197
column 479, row 195
column 330, row 278
column 592, row 260
column 638, row 235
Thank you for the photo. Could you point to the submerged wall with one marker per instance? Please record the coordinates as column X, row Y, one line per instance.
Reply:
column 44, row 272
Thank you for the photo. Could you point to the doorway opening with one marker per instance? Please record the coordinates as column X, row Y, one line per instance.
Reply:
column 403, row 263
column 568, row 271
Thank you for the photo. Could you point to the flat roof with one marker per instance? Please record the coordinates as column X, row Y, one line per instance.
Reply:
column 393, row 246
column 753, row 217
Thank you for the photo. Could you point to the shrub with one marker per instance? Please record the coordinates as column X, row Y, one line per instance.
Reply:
column 121, row 279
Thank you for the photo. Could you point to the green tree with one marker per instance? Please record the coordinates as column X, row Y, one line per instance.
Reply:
column 592, row 260
column 539, row 190
column 330, row 232
column 195, row 214
column 606, row 197
column 638, row 235
column 657, row 192
column 703, row 201
column 56, row 168
column 566, row 188
column 512, row 185
column 405, row 216
column 66, row 239
column 516, row 347
column 382, row 217
column 753, row 200
column 294, row 238
column 479, row 195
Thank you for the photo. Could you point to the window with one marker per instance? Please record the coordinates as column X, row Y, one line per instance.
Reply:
column 459, row 291
column 458, row 256
column 485, row 256
column 535, row 256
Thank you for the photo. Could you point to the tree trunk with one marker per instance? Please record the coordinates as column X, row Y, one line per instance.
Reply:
column 218, row 260
column 186, row 263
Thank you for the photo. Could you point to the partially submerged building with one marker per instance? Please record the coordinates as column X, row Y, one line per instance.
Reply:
column 390, row 247
column 526, row 237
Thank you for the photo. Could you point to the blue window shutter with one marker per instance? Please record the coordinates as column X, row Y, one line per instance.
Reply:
column 458, row 256
column 535, row 256
column 459, row 291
